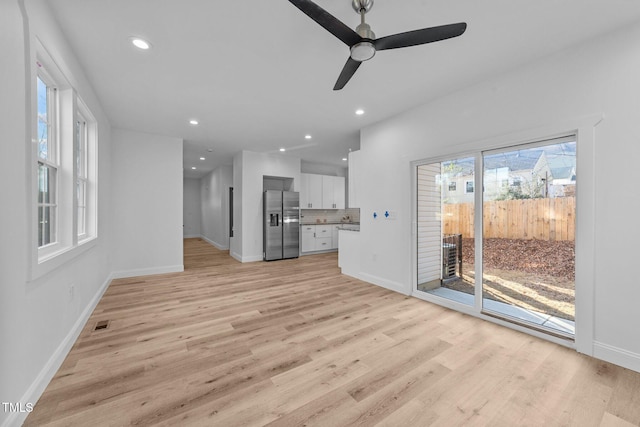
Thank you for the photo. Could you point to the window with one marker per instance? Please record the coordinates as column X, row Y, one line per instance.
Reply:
column 468, row 187
column 47, row 160
column 81, row 175
column 63, row 165
column 452, row 186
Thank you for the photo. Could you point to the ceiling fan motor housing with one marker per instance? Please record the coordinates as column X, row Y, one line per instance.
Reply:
column 362, row 5
column 364, row 50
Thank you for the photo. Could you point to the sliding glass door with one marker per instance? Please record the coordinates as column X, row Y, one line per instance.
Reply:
column 528, row 234
column 526, row 256
column 445, row 211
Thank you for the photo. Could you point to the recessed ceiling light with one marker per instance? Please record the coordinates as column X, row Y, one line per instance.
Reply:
column 202, row 158
column 307, row 137
column 283, row 149
column 344, row 159
column 193, row 167
column 140, row 43
column 193, row 122
column 359, row 112
column 210, row 150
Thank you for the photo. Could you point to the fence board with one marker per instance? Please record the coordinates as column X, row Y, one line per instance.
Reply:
column 544, row 219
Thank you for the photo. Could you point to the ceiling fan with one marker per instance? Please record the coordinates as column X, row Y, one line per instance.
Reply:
column 363, row 43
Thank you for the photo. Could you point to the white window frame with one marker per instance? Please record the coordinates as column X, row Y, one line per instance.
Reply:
column 52, row 162
column 80, row 155
column 68, row 107
column 87, row 174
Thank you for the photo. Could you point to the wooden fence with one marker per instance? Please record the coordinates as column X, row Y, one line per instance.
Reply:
column 543, row 219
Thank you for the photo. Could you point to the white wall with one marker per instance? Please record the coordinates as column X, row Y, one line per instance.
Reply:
column 306, row 167
column 554, row 94
column 147, row 204
column 248, row 170
column 214, row 190
column 191, row 208
column 39, row 319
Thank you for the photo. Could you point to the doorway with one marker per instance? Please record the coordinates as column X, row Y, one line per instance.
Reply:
column 230, row 214
column 514, row 256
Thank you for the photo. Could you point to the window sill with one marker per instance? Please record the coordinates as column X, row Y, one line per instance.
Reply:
column 54, row 260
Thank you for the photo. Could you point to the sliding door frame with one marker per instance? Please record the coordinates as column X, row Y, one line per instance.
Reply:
column 585, row 131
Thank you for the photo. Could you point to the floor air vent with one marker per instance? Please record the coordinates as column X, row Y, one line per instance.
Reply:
column 103, row 324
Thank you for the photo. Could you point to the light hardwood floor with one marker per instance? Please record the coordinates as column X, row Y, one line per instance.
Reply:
column 293, row 343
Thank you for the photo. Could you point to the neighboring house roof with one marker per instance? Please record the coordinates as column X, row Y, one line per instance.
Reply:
column 515, row 161
column 460, row 167
column 562, row 167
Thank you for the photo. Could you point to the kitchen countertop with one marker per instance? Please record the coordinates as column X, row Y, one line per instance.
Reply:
column 330, row 223
column 350, row 227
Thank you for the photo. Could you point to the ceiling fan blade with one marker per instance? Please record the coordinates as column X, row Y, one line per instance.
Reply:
column 328, row 21
column 417, row 37
column 347, row 72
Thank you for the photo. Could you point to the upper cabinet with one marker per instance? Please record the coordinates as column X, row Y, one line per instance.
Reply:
column 310, row 191
column 322, row 192
column 333, row 192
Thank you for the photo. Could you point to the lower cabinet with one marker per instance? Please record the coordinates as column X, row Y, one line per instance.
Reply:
column 318, row 237
column 307, row 238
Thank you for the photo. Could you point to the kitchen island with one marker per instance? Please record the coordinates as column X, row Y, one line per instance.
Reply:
column 349, row 251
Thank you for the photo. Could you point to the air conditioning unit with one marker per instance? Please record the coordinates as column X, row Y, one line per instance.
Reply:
column 449, row 260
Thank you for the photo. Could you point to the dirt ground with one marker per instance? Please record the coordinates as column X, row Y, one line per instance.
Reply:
column 532, row 274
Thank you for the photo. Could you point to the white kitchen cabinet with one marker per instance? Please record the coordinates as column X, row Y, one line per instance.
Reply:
column 311, row 191
column 323, row 231
column 307, row 238
column 318, row 237
column 322, row 191
column 323, row 243
column 333, row 192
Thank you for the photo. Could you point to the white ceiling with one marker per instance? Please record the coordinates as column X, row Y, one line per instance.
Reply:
column 258, row 75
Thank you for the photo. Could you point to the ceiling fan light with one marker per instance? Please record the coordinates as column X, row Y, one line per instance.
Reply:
column 362, row 51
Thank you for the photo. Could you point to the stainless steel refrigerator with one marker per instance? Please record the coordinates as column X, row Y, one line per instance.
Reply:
column 281, row 225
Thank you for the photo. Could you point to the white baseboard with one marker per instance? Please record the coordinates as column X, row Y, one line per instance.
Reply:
column 618, row 356
column 240, row 258
column 192, row 236
column 41, row 382
column 215, row 244
column 384, row 283
column 252, row 258
column 147, row 271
